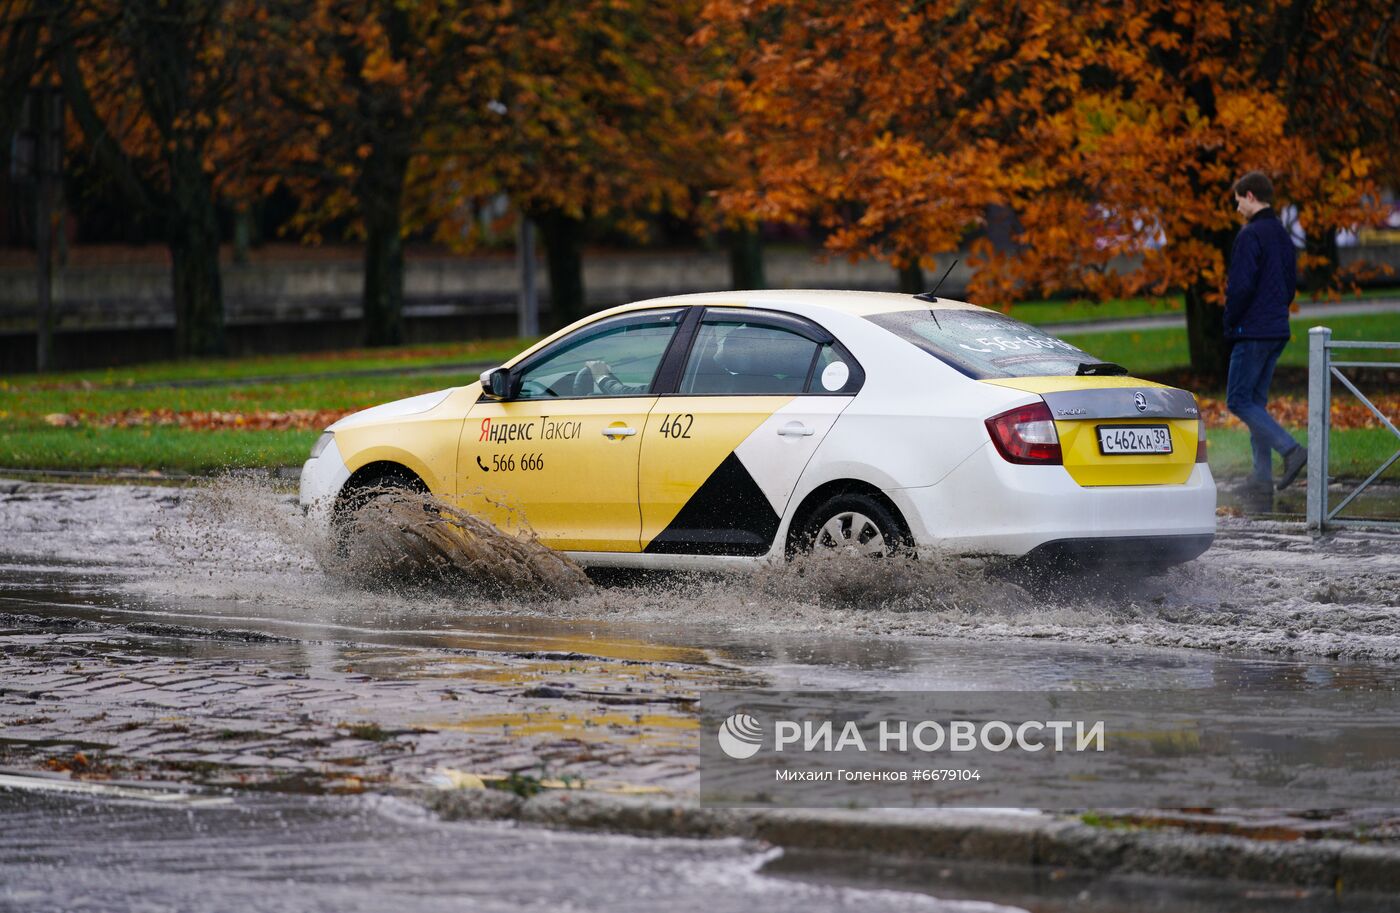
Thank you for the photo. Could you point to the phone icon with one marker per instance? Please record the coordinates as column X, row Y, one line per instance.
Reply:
column 482, row 465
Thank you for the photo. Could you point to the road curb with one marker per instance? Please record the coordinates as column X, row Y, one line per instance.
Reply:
column 955, row 835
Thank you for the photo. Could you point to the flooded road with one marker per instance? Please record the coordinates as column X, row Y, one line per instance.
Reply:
column 207, row 636
column 239, row 554
column 229, row 573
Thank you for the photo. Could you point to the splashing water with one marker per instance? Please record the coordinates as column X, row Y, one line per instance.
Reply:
column 400, row 536
column 1262, row 588
column 395, row 540
column 900, row 582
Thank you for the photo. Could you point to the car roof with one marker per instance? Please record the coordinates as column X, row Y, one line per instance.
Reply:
column 859, row 304
column 793, row 301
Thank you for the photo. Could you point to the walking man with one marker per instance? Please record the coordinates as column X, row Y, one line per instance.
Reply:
column 1263, row 279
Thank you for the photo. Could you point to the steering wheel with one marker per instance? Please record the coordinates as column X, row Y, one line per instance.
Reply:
column 584, row 384
column 533, row 389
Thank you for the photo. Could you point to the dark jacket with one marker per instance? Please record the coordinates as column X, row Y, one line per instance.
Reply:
column 1263, row 280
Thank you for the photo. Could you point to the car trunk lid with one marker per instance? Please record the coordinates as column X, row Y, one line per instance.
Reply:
column 1097, row 418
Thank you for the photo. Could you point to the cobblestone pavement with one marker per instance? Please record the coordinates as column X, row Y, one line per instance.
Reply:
column 100, row 702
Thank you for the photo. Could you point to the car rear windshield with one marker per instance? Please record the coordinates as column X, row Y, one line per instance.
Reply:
column 985, row 344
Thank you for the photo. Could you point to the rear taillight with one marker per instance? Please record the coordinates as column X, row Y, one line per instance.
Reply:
column 1026, row 434
column 1201, row 442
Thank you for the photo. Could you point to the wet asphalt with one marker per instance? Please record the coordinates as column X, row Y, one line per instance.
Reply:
column 172, row 639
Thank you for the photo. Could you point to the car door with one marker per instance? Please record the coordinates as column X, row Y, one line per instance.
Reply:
column 723, row 452
column 560, row 453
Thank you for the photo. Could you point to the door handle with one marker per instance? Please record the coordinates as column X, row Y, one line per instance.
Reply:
column 619, row 432
column 796, row 429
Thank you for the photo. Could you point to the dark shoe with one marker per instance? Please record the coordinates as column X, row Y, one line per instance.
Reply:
column 1254, row 488
column 1255, row 496
column 1293, row 463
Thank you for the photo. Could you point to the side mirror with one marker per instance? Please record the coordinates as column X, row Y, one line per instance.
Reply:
column 496, row 383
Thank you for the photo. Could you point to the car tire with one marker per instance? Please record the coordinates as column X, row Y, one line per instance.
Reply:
column 855, row 524
column 356, row 498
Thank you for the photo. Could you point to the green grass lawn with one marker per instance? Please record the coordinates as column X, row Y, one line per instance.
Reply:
column 305, row 364
column 1083, row 311
column 26, row 407
column 146, row 449
column 1145, row 352
column 1042, row 312
column 1355, row 452
column 27, row 441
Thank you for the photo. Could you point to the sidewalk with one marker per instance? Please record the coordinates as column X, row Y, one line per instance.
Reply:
column 986, row 836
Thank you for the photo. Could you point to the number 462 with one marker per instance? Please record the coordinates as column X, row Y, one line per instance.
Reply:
column 677, row 426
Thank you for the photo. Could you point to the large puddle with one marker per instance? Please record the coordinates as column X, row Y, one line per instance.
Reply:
column 210, row 635
column 237, row 552
column 155, row 583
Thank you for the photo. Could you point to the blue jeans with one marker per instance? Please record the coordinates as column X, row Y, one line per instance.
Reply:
column 1247, row 394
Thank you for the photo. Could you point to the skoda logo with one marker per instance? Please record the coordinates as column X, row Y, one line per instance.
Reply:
column 1140, row 401
column 740, row 736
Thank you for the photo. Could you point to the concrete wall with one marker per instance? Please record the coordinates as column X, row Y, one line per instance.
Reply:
column 106, row 315
column 138, row 295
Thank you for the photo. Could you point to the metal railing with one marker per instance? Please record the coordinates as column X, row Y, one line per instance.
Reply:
column 1321, row 370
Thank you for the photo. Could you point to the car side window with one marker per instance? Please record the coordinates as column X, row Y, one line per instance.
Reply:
column 732, row 357
column 618, row 358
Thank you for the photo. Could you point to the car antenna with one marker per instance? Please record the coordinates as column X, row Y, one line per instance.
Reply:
column 932, row 296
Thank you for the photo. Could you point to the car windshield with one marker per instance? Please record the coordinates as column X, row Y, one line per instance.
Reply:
column 985, row 344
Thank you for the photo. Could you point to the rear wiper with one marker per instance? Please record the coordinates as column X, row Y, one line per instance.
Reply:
column 1099, row 369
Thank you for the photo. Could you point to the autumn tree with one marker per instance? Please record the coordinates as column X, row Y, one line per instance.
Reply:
column 1112, row 131
column 399, row 115
column 361, row 87
column 892, row 124
column 1336, row 68
column 1178, row 101
column 20, row 33
column 725, row 150
column 599, row 115
column 148, row 83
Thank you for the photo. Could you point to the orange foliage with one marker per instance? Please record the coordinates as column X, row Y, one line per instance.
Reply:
column 183, row 106
column 1111, row 130
column 358, row 91
column 1347, row 412
column 291, row 420
column 595, row 111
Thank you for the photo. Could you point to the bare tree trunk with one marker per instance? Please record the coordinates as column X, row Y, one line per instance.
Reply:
column 1322, row 243
column 745, row 258
column 563, row 249
column 164, row 74
column 381, row 202
column 48, row 164
column 242, row 233
column 196, row 282
column 911, row 279
column 1205, row 319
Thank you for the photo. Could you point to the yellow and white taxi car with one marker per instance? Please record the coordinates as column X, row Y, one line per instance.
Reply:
column 702, row 430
